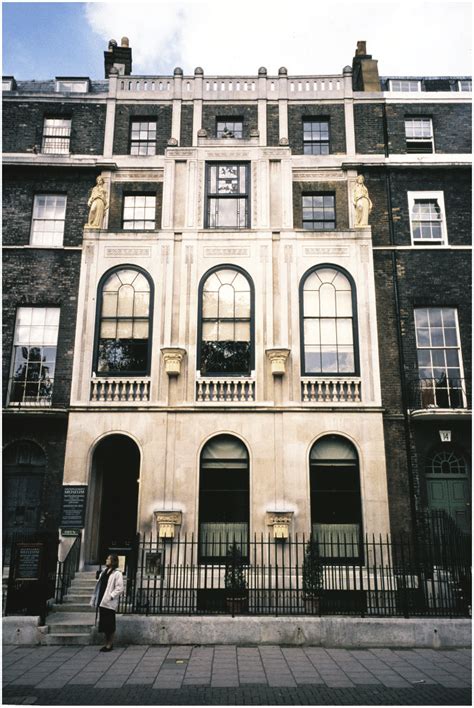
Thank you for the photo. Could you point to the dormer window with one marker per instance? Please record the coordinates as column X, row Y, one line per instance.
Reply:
column 8, row 83
column 404, row 85
column 65, row 85
column 465, row 85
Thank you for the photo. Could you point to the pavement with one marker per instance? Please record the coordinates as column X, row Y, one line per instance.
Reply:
column 235, row 675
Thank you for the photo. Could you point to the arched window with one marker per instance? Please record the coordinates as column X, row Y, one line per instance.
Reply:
column 223, row 496
column 336, row 513
column 329, row 322
column 24, row 465
column 446, row 462
column 226, row 322
column 124, row 323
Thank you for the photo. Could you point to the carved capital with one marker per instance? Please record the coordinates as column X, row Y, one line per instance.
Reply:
column 280, row 521
column 166, row 522
column 173, row 356
column 283, row 142
column 172, row 142
column 277, row 358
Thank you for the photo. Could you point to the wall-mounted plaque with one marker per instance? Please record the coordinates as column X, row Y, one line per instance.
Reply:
column 74, row 506
column 28, row 561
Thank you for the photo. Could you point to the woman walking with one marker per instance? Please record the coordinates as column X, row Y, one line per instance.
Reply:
column 106, row 596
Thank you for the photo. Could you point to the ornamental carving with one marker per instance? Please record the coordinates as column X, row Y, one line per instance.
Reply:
column 98, row 205
column 166, row 522
column 280, row 521
column 278, row 358
column 362, row 203
column 172, row 357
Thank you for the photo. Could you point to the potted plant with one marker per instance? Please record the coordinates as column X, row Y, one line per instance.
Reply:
column 312, row 577
column 234, row 581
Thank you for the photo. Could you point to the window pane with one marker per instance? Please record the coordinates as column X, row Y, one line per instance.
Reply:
column 226, row 301
column 328, row 331
column 125, row 301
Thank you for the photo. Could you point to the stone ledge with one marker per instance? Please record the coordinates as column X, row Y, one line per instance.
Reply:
column 325, row 631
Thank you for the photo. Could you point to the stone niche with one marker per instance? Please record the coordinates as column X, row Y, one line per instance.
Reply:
column 168, row 523
column 280, row 523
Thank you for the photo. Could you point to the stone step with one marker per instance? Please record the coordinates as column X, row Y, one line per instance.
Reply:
column 78, row 596
column 67, row 639
column 73, row 607
column 70, row 627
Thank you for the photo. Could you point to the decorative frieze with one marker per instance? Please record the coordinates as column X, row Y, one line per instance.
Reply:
column 166, row 523
column 210, row 252
column 326, row 251
column 125, row 252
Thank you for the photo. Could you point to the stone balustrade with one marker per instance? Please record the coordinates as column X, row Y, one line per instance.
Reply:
column 120, row 390
column 335, row 390
column 221, row 390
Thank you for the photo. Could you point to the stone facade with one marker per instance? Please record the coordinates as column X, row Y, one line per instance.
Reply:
column 172, row 411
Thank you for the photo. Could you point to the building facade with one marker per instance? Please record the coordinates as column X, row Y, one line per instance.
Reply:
column 257, row 320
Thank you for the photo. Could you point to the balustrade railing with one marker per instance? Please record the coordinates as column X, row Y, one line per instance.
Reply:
column 319, row 390
column 438, row 393
column 226, row 390
column 120, row 390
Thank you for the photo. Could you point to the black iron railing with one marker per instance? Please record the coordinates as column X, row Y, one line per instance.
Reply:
column 395, row 578
column 67, row 570
column 438, row 393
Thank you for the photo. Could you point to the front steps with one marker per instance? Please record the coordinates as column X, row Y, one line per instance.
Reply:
column 72, row 622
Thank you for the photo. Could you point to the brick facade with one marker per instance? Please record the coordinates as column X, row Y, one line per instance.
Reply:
column 339, row 189
column 121, row 189
column 211, row 113
column 123, row 117
column 337, row 129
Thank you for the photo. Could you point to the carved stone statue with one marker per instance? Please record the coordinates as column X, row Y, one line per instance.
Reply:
column 98, row 205
column 362, row 203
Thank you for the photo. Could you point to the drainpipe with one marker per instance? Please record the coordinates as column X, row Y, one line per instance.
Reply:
column 401, row 358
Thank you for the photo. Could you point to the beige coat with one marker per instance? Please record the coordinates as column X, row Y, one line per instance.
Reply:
column 112, row 592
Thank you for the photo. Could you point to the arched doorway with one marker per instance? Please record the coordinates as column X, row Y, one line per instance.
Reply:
column 24, row 466
column 223, row 497
column 448, row 485
column 336, row 510
column 113, row 501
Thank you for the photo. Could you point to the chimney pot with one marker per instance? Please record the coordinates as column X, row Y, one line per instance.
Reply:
column 124, row 42
column 361, row 48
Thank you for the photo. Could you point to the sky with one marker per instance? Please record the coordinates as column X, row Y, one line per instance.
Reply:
column 408, row 37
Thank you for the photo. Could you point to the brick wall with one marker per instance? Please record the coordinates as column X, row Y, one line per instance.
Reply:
column 49, row 432
column 337, row 128
column 19, row 188
column 120, row 189
column 23, row 125
column 451, row 126
column 273, row 125
column 186, row 135
column 337, row 188
column 42, row 278
column 368, row 124
column 210, row 114
column 123, row 116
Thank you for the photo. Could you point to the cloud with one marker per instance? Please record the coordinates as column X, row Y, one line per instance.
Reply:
column 308, row 37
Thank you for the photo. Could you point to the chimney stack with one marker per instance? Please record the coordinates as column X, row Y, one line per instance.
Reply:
column 365, row 73
column 118, row 57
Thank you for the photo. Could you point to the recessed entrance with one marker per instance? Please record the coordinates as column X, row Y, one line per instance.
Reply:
column 112, row 514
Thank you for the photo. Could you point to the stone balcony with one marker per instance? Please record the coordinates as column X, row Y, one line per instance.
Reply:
column 225, row 390
column 120, row 389
column 330, row 390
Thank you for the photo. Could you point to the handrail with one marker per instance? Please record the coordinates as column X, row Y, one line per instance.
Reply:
column 67, row 570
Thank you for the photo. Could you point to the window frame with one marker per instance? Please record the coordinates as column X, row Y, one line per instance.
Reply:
column 335, row 463
column 438, row 196
column 131, row 142
column 230, row 119
column 411, row 82
column 58, row 136
column 419, row 142
column 98, row 320
column 127, row 195
column 355, row 324
column 40, row 401
column 33, row 220
column 201, row 492
column 464, row 81
column 77, row 85
column 208, row 195
column 205, row 276
column 445, row 347
column 318, row 194
column 312, row 143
